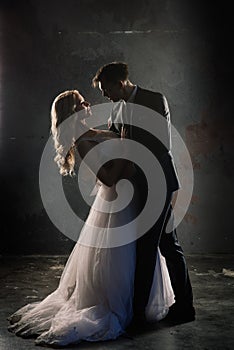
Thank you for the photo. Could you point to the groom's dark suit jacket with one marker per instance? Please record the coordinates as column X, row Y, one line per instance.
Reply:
column 146, row 248
column 157, row 102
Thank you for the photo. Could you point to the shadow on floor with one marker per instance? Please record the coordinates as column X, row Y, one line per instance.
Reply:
column 31, row 278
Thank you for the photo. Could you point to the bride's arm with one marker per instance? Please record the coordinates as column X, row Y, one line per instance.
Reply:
column 112, row 171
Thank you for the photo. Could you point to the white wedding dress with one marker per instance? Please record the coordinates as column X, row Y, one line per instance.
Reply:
column 93, row 301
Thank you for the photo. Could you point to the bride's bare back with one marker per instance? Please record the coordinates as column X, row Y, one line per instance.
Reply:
column 114, row 169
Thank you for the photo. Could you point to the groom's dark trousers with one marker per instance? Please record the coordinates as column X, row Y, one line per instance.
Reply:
column 146, row 256
column 146, row 251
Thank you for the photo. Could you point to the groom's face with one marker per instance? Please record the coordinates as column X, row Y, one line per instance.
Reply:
column 111, row 90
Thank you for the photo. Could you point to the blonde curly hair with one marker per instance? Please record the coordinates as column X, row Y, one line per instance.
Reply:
column 63, row 106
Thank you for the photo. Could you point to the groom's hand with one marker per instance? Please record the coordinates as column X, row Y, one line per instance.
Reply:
column 109, row 123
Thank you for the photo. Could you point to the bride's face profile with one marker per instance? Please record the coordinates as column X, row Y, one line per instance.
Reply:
column 66, row 104
column 80, row 102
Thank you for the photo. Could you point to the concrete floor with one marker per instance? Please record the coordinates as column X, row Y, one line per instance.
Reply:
column 27, row 279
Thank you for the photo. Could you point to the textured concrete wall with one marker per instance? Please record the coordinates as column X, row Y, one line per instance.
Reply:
column 181, row 48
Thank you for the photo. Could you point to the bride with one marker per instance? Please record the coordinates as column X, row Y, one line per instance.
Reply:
column 93, row 301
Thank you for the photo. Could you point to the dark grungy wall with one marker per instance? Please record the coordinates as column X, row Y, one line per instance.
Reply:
column 180, row 48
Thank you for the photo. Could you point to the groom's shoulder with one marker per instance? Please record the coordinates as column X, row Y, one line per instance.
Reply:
column 147, row 94
column 152, row 99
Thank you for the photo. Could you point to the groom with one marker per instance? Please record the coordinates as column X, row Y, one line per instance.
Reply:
column 114, row 83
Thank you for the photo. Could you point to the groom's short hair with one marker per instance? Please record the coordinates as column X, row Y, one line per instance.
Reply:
column 111, row 73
